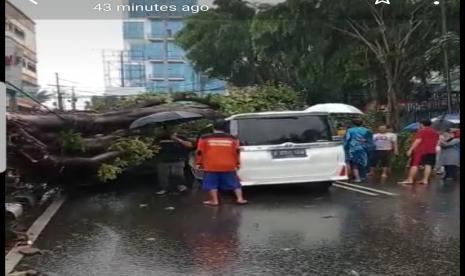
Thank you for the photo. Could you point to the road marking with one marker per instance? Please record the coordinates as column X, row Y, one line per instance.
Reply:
column 13, row 257
column 366, row 188
column 352, row 189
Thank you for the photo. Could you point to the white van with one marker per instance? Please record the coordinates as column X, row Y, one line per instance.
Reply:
column 287, row 147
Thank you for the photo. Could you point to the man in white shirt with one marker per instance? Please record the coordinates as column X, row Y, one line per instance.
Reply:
column 386, row 146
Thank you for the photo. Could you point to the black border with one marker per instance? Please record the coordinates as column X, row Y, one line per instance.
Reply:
column 3, row 174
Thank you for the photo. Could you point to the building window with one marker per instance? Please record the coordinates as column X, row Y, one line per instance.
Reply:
column 137, row 51
column 134, row 72
column 31, row 67
column 158, row 70
column 19, row 33
column 156, row 86
column 157, row 29
column 154, row 50
column 174, row 51
column 133, row 30
column 189, row 73
column 174, row 26
column 175, row 70
column 160, row 29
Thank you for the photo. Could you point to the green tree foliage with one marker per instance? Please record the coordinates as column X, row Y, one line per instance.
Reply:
column 218, row 42
column 404, row 141
column 326, row 49
column 71, row 142
column 108, row 172
column 398, row 37
column 373, row 119
column 258, row 98
column 133, row 151
column 302, row 53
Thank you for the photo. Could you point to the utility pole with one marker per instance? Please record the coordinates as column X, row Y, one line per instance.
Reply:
column 59, row 96
column 121, row 58
column 446, row 58
column 73, row 99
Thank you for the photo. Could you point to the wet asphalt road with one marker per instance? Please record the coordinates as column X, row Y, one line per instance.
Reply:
column 283, row 231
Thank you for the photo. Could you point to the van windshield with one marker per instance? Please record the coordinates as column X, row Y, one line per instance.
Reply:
column 278, row 130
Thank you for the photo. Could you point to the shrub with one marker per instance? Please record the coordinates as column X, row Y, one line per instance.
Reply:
column 71, row 142
column 404, row 140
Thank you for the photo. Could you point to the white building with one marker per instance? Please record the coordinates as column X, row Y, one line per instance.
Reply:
column 20, row 49
column 20, row 57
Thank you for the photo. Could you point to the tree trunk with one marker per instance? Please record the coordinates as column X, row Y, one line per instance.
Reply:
column 392, row 115
column 91, row 123
column 34, row 145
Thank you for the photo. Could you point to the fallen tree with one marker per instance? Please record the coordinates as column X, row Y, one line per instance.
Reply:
column 95, row 123
column 70, row 147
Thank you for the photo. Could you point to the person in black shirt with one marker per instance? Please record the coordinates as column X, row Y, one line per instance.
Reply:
column 171, row 160
column 190, row 144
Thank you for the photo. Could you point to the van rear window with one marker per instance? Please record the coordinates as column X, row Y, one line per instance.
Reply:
column 278, row 130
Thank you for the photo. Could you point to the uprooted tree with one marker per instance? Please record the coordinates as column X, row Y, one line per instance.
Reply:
column 94, row 146
column 88, row 147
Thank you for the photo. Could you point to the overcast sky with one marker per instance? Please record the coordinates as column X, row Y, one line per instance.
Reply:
column 73, row 48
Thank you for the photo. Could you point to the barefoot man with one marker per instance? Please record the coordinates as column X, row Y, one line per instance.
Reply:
column 218, row 156
column 422, row 153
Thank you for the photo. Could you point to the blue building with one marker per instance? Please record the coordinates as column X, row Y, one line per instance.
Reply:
column 155, row 61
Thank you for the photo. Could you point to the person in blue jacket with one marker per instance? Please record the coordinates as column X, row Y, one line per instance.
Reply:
column 358, row 144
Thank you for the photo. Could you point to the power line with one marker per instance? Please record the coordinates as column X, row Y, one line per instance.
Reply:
column 35, row 100
column 69, row 81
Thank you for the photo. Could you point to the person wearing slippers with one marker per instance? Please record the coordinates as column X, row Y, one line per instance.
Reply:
column 422, row 153
column 170, row 165
column 217, row 155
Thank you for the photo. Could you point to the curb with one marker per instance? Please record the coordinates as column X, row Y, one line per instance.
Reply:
column 13, row 257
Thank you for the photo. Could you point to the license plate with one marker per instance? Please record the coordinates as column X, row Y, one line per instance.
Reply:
column 291, row 153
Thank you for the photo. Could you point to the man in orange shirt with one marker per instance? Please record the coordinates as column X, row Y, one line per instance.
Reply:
column 218, row 156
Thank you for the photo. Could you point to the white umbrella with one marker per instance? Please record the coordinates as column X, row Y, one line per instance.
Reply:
column 334, row 108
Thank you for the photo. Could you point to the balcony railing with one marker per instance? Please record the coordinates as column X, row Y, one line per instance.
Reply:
column 159, row 37
column 169, row 59
column 173, row 77
column 155, row 77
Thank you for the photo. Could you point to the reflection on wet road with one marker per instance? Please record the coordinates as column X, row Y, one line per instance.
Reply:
column 283, row 231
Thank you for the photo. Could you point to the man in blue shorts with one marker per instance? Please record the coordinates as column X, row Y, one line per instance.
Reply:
column 218, row 156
